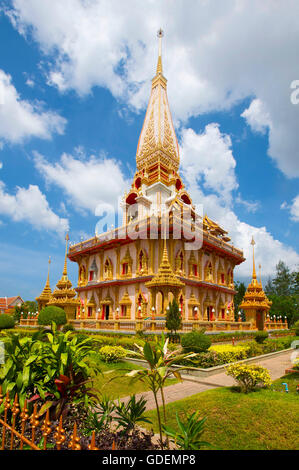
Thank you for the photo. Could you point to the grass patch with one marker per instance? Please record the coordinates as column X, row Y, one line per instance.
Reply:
column 120, row 386
column 262, row 420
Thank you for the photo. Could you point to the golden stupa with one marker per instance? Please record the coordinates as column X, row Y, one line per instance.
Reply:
column 46, row 294
column 64, row 294
column 255, row 302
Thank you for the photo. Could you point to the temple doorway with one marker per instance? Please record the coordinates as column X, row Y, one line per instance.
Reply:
column 260, row 320
column 107, row 311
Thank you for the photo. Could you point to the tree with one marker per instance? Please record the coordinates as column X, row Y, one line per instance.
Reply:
column 241, row 289
column 25, row 308
column 282, row 282
column 285, row 305
column 173, row 317
column 283, row 291
column 269, row 288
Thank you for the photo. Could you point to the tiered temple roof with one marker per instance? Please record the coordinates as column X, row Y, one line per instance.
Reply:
column 46, row 294
column 255, row 297
column 64, row 294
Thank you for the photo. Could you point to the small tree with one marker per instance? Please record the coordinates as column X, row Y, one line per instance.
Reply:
column 52, row 314
column 173, row 317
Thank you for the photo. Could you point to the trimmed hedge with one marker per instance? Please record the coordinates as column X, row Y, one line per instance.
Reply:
column 196, row 342
column 6, row 321
column 52, row 314
column 260, row 336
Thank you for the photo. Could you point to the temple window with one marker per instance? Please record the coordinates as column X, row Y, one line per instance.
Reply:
column 91, row 275
column 142, row 263
column 108, row 269
column 194, row 269
column 179, row 262
column 82, row 273
column 125, row 268
column 89, row 312
column 123, row 311
column 230, row 277
column 222, row 278
column 209, row 272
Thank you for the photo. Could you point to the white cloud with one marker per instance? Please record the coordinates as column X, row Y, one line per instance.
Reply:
column 29, row 82
column 31, row 206
column 20, row 119
column 219, row 206
column 294, row 209
column 215, row 54
column 92, row 184
column 207, row 158
column 250, row 206
column 257, row 117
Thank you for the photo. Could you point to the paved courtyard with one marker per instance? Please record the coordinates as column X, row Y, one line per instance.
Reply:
column 190, row 386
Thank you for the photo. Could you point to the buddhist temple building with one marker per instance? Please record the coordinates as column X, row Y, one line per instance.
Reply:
column 134, row 270
column 255, row 303
column 46, row 294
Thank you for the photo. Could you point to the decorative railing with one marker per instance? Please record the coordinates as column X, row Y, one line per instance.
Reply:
column 154, row 325
column 119, row 233
column 20, row 430
column 159, row 325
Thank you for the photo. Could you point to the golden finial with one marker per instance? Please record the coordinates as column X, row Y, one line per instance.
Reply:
column 160, row 35
column 260, row 273
column 253, row 269
column 65, row 259
column 48, row 277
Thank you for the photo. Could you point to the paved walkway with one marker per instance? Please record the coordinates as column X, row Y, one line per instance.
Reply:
column 192, row 385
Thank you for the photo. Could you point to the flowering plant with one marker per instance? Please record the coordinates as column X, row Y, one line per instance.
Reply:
column 249, row 376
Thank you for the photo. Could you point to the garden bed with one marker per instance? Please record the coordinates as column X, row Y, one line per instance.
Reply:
column 201, row 372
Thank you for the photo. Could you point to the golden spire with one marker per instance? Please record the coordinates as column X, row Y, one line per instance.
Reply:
column 45, row 296
column 260, row 273
column 165, row 275
column 65, row 259
column 48, row 277
column 253, row 269
column 157, row 141
column 160, row 35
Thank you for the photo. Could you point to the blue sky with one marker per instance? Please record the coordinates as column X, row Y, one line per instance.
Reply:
column 73, row 104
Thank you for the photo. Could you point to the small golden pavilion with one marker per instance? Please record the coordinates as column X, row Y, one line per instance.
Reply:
column 64, row 295
column 120, row 276
column 255, row 303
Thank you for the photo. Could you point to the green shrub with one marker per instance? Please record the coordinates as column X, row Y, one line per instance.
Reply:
column 52, row 314
column 67, row 327
column 296, row 328
column 112, row 353
column 254, row 349
column 196, row 342
column 249, row 376
column 6, row 321
column 260, row 336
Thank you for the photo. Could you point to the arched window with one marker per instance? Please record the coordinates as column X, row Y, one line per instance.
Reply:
column 142, row 263
column 108, row 273
column 209, row 272
column 179, row 262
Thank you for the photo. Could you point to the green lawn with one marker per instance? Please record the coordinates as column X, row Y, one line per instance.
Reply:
column 265, row 419
column 120, row 386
